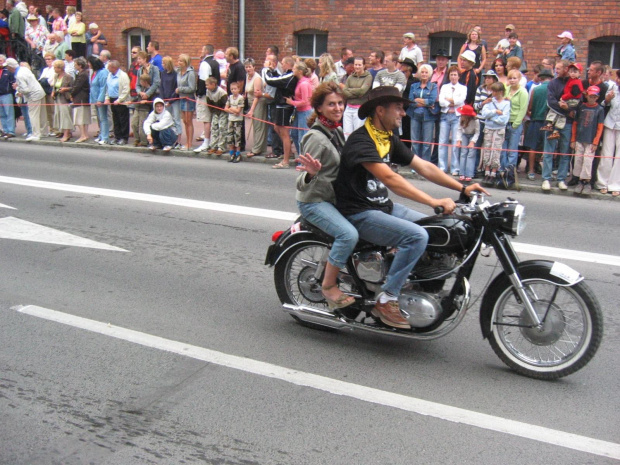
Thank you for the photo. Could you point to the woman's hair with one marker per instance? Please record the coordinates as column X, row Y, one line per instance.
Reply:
column 319, row 95
column 514, row 72
column 81, row 62
column 327, row 65
column 503, row 62
column 452, row 69
column 184, row 57
column 59, row 64
column 360, row 58
column 49, row 55
column 479, row 41
column 429, row 68
column 513, row 63
column 78, row 13
column 95, row 62
column 249, row 61
column 301, row 66
column 311, row 64
column 70, row 10
column 142, row 54
column 167, row 63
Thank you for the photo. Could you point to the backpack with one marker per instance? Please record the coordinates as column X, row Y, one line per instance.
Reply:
column 508, row 179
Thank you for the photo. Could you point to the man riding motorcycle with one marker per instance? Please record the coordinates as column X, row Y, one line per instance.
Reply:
column 362, row 193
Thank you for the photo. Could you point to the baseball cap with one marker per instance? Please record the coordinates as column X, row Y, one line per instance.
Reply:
column 566, row 35
column 409, row 35
column 593, row 90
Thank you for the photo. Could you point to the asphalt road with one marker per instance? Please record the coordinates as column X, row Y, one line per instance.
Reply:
column 195, row 276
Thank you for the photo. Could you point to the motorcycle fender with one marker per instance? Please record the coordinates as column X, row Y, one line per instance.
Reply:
column 285, row 242
column 555, row 272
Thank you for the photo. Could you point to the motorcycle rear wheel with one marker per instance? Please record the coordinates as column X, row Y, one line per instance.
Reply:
column 570, row 335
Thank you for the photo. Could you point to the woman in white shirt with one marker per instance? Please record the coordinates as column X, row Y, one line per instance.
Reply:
column 451, row 96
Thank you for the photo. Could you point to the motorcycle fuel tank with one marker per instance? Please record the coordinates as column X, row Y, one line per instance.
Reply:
column 448, row 233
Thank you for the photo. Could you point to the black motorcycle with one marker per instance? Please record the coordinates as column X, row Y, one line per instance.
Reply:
column 539, row 316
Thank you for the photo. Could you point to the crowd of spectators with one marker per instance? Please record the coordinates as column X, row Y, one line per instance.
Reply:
column 545, row 110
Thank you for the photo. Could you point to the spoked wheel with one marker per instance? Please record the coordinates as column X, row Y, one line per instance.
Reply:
column 571, row 331
column 296, row 278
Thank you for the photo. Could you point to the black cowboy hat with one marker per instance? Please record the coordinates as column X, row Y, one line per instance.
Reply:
column 380, row 96
column 409, row 62
column 442, row 52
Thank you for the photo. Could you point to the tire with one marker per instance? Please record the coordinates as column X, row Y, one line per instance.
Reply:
column 571, row 334
column 295, row 281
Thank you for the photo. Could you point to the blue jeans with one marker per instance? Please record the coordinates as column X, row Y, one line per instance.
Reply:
column 560, row 145
column 175, row 110
column 468, row 157
column 104, row 124
column 422, row 131
column 26, row 115
column 396, row 230
column 511, row 142
column 325, row 216
column 7, row 114
column 300, row 121
column 165, row 137
column 448, row 124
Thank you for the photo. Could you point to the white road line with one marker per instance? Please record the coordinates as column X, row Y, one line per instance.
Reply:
column 566, row 254
column 16, row 229
column 221, row 207
column 6, row 206
column 337, row 387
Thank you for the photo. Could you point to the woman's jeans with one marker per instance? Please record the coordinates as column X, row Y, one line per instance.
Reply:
column 396, row 230
column 301, row 122
column 448, row 124
column 104, row 124
column 175, row 110
column 7, row 114
column 513, row 136
column 468, row 157
column 422, row 131
column 325, row 217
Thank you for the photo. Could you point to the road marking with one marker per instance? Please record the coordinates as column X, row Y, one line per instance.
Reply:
column 221, row 207
column 6, row 206
column 533, row 249
column 16, row 229
column 337, row 387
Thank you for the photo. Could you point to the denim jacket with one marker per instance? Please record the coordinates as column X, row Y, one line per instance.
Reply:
column 429, row 93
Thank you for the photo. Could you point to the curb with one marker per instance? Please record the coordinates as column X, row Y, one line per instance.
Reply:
column 524, row 185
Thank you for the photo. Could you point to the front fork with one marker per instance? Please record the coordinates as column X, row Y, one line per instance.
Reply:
column 509, row 261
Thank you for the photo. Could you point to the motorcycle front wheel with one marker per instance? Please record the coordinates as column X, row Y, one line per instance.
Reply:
column 571, row 332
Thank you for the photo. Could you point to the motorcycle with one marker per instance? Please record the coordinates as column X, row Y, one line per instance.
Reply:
column 539, row 316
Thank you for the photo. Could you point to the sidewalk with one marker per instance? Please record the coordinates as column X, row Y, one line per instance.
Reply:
column 525, row 184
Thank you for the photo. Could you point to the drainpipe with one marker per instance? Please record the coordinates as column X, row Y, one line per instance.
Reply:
column 242, row 30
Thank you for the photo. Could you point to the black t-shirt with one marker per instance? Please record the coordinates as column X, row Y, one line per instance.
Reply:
column 356, row 188
column 236, row 72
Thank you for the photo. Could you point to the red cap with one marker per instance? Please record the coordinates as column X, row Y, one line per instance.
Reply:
column 593, row 90
column 466, row 110
column 576, row 65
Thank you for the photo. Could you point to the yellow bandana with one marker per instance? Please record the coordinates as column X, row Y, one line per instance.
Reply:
column 381, row 138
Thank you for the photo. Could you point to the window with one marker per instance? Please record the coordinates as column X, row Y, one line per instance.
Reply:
column 605, row 49
column 311, row 43
column 137, row 38
column 449, row 40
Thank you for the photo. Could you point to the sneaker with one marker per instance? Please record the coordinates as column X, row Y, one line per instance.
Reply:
column 202, row 148
column 562, row 186
column 531, row 176
column 546, row 185
column 32, row 138
column 121, row 142
column 9, row 136
column 167, row 148
column 389, row 314
column 574, row 180
column 237, row 157
column 587, row 189
column 136, row 143
column 152, row 148
column 103, row 142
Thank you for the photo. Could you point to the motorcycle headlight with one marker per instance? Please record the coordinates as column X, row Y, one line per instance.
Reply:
column 511, row 216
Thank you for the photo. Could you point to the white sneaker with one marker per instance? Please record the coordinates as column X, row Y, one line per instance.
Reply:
column 202, row 148
column 167, row 148
column 546, row 185
column 562, row 186
column 32, row 138
column 103, row 142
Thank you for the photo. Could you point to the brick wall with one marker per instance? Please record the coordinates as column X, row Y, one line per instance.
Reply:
column 184, row 26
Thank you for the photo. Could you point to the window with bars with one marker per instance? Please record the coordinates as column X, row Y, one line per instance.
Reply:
column 450, row 40
column 605, row 49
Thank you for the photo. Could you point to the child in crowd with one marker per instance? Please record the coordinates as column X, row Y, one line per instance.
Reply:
column 467, row 135
column 234, row 108
column 496, row 115
column 587, row 132
column 142, row 108
column 573, row 92
column 159, row 127
column 216, row 99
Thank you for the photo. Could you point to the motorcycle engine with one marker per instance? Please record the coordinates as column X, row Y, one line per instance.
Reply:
column 420, row 308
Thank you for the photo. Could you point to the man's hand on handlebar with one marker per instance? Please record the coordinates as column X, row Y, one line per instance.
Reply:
column 445, row 206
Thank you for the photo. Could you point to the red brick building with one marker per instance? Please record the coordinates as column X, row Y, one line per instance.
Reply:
column 310, row 28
